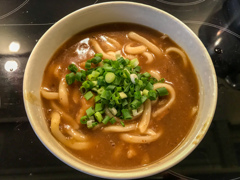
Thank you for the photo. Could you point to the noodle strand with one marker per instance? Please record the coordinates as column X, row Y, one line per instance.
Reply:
column 143, row 125
column 178, row 51
column 55, row 121
column 170, row 102
column 151, row 46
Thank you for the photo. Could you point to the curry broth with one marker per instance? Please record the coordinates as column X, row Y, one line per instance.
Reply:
column 108, row 150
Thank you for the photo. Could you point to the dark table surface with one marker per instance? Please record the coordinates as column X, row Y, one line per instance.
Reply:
column 23, row 22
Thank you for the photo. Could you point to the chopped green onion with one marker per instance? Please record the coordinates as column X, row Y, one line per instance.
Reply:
column 137, row 87
column 122, row 61
column 122, row 95
column 106, row 61
column 119, row 85
column 73, row 68
column 101, row 81
column 96, row 60
column 117, row 80
column 101, row 112
column 146, row 74
column 91, row 118
column 118, row 89
column 143, row 99
column 80, row 76
column 133, row 77
column 115, row 64
column 162, row 80
column 126, row 89
column 110, row 87
column 87, row 84
column 88, row 95
column 91, row 124
column 152, row 95
column 70, row 78
column 137, row 95
column 122, row 123
column 106, row 94
column 94, row 83
column 98, row 55
column 84, row 119
column 145, row 92
column 100, row 70
column 153, row 80
column 94, row 124
column 91, row 78
column 137, row 69
column 95, row 74
column 134, row 63
column 106, row 119
column 101, row 90
column 124, row 103
column 97, row 98
column 90, row 112
column 135, row 104
column 83, row 90
column 126, row 73
column 132, row 88
column 112, row 120
column 98, row 107
column 113, row 110
column 162, row 91
column 140, row 83
column 98, row 116
column 149, row 86
column 126, row 114
column 109, row 77
column 108, row 68
column 88, row 64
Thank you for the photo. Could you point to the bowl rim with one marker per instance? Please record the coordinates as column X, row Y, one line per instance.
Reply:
column 128, row 175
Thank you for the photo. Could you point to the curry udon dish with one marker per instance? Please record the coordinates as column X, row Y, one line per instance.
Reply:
column 120, row 96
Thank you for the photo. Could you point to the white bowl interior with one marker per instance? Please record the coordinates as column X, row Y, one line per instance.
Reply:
column 120, row 12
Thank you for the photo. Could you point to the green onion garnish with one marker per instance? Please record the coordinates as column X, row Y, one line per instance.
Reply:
column 73, row 68
column 152, row 95
column 97, row 98
column 109, row 77
column 146, row 74
column 70, row 78
column 90, row 112
column 98, row 55
column 135, row 104
column 88, row 95
column 106, row 119
column 112, row 120
column 98, row 107
column 88, row 64
column 134, row 63
column 126, row 114
column 122, row 123
column 162, row 91
column 80, row 76
column 98, row 116
column 118, row 87
column 84, row 119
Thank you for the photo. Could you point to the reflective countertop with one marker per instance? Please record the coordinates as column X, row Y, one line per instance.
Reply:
column 23, row 22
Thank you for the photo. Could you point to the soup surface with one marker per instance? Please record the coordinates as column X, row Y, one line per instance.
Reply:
column 170, row 117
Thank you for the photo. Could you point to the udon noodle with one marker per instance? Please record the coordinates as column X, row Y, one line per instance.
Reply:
column 157, row 128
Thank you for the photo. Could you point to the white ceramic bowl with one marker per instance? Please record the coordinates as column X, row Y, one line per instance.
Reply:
column 120, row 12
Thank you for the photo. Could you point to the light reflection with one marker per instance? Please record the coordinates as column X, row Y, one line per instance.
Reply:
column 14, row 46
column 11, row 66
column 217, row 42
column 83, row 48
